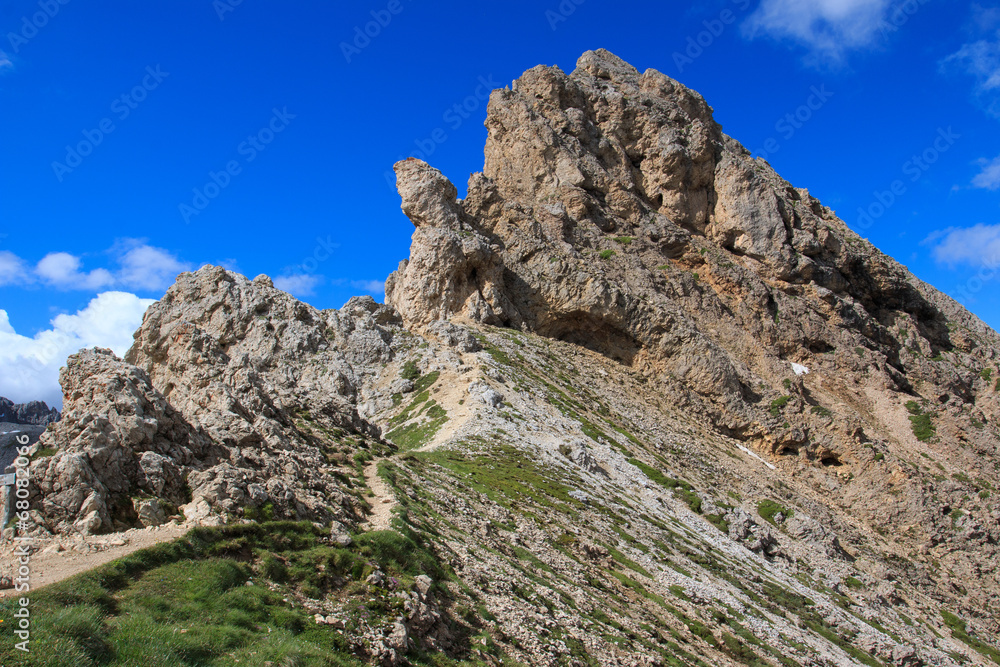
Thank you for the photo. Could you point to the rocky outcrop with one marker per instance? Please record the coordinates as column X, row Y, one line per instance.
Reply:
column 233, row 401
column 35, row 413
column 119, row 439
column 615, row 214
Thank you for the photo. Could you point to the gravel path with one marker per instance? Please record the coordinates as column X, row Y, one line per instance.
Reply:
column 384, row 501
column 61, row 559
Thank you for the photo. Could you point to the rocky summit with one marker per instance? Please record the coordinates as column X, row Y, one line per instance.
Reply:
column 634, row 400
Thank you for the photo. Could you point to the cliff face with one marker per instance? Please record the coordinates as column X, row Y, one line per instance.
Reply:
column 650, row 403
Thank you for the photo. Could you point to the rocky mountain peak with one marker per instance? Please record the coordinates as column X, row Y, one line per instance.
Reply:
column 643, row 401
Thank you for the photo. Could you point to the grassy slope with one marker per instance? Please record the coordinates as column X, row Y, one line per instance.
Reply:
column 226, row 596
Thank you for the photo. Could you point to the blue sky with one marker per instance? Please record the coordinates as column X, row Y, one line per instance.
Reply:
column 143, row 139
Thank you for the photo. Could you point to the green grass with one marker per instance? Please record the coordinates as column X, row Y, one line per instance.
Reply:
column 187, row 602
column 821, row 411
column 778, row 404
column 409, row 371
column 419, row 433
column 681, row 489
column 767, row 509
column 718, row 521
column 960, row 632
column 425, row 382
column 920, row 422
column 44, row 452
column 623, row 240
column 606, row 254
column 507, row 476
column 986, row 374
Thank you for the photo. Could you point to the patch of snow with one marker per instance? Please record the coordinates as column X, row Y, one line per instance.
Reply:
column 799, row 369
column 753, row 454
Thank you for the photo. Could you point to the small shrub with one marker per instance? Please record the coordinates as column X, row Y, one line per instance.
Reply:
column 821, row 411
column 409, row 371
column 852, row 582
column 779, row 403
column 986, row 374
column 768, row 509
column 623, row 240
column 718, row 521
column 921, row 422
column 678, row 592
column 262, row 513
column 606, row 254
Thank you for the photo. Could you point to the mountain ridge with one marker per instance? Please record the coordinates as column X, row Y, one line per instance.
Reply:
column 645, row 402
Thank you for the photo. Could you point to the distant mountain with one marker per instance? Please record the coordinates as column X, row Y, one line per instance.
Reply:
column 36, row 413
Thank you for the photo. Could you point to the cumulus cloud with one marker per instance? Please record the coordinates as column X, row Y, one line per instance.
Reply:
column 373, row 287
column 977, row 246
column 5, row 62
column 149, row 268
column 62, row 270
column 140, row 267
column 29, row 367
column 300, row 284
column 13, row 270
column 989, row 177
column 829, row 28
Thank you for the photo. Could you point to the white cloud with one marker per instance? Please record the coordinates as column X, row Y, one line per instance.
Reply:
column 148, row 268
column 373, row 287
column 62, row 270
column 5, row 62
column 829, row 28
column 13, row 270
column 140, row 267
column 977, row 246
column 980, row 60
column 300, row 285
column 29, row 367
column 989, row 177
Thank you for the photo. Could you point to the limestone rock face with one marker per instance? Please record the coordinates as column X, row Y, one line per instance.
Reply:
column 219, row 406
column 615, row 214
column 120, row 439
